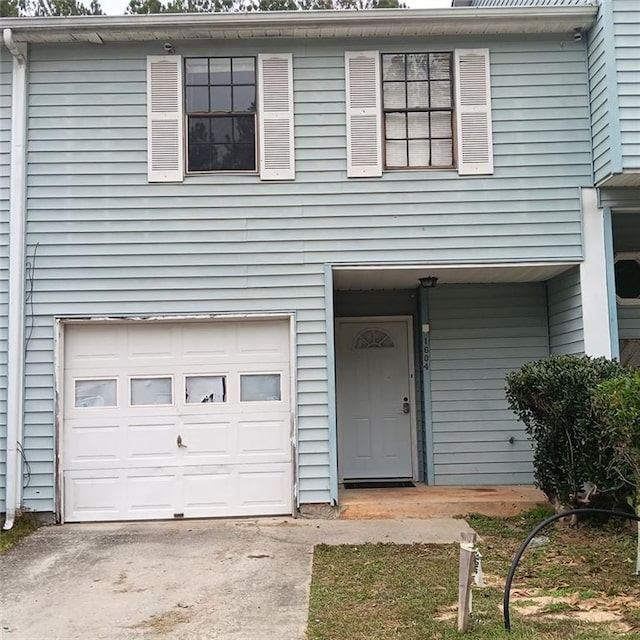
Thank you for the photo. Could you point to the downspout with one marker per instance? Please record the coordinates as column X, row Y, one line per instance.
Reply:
column 17, row 215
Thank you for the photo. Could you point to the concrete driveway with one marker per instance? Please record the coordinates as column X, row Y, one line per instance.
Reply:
column 182, row 580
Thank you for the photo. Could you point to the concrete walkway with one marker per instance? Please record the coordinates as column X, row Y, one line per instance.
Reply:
column 186, row 580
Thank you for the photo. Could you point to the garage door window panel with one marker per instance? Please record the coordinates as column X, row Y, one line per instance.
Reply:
column 96, row 393
column 205, row 389
column 151, row 391
column 263, row 387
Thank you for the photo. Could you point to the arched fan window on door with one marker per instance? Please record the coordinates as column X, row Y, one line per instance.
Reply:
column 373, row 339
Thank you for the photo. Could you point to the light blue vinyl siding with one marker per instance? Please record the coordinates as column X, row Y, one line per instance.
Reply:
column 614, row 70
column 626, row 238
column 110, row 243
column 5, row 138
column 564, row 301
column 478, row 334
column 626, row 19
column 604, row 104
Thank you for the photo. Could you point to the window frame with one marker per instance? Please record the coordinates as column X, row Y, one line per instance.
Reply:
column 625, row 256
column 187, row 114
column 451, row 111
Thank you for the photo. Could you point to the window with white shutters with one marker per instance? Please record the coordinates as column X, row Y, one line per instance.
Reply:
column 418, row 110
column 362, row 72
column 164, row 119
column 473, row 112
column 237, row 113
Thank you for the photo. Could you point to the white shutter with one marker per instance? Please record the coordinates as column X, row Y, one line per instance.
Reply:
column 164, row 119
column 364, row 139
column 473, row 112
column 275, row 113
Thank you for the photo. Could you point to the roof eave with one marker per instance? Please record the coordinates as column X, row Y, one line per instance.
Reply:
column 292, row 24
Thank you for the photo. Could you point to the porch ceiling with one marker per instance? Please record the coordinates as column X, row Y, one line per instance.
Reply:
column 408, row 276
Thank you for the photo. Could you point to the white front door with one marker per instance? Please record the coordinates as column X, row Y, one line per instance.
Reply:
column 374, row 399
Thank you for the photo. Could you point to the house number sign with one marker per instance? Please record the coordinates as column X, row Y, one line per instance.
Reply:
column 425, row 351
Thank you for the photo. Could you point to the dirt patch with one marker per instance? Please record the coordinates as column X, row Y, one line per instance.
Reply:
column 164, row 622
column 609, row 609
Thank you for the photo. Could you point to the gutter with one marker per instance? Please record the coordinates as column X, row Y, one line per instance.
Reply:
column 17, row 217
column 279, row 24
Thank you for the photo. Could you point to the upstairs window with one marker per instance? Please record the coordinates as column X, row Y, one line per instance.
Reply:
column 220, row 100
column 220, row 114
column 417, row 97
column 417, row 110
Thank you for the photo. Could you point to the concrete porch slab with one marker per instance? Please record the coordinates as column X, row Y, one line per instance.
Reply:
column 423, row 501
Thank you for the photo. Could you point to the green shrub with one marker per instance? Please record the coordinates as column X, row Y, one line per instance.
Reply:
column 554, row 399
column 617, row 405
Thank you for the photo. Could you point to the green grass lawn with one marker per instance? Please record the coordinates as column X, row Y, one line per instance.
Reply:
column 24, row 525
column 579, row 586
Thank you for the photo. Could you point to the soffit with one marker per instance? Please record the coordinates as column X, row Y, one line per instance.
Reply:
column 303, row 24
column 624, row 179
column 408, row 277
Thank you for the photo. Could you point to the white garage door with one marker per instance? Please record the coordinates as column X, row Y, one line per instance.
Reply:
column 176, row 420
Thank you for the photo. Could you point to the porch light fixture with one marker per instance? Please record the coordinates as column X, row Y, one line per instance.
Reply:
column 429, row 282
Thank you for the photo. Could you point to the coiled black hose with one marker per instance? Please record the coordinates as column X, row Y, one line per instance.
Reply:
column 532, row 535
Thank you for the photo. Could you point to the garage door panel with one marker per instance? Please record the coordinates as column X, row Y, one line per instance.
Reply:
column 92, row 497
column 208, row 491
column 157, row 454
column 96, row 344
column 261, row 339
column 146, row 341
column 207, row 342
column 151, row 495
column 203, row 439
column 263, row 486
column 263, row 438
column 92, row 445
column 150, row 443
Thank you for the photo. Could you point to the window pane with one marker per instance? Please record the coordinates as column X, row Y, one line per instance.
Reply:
column 220, row 70
column 418, row 153
column 440, row 95
column 393, row 67
column 197, row 71
column 440, row 66
column 150, row 391
column 199, row 157
column 417, row 66
column 222, row 129
column 197, row 99
column 441, row 125
column 244, row 98
column 395, row 126
column 260, row 387
column 96, row 393
column 222, row 157
column 203, row 389
column 244, row 158
column 244, row 71
column 418, row 125
column 394, row 95
column 627, row 276
column 441, row 153
column 244, row 129
column 220, row 99
column 418, row 95
column 396, row 154
column 198, row 130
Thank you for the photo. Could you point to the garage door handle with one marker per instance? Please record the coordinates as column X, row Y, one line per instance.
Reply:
column 179, row 442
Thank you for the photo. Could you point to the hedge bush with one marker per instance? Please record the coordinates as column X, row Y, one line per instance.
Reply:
column 554, row 399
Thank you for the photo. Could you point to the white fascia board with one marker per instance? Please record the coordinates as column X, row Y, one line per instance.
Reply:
column 287, row 24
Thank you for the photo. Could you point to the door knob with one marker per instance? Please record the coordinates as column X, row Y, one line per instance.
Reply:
column 406, row 408
column 179, row 442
